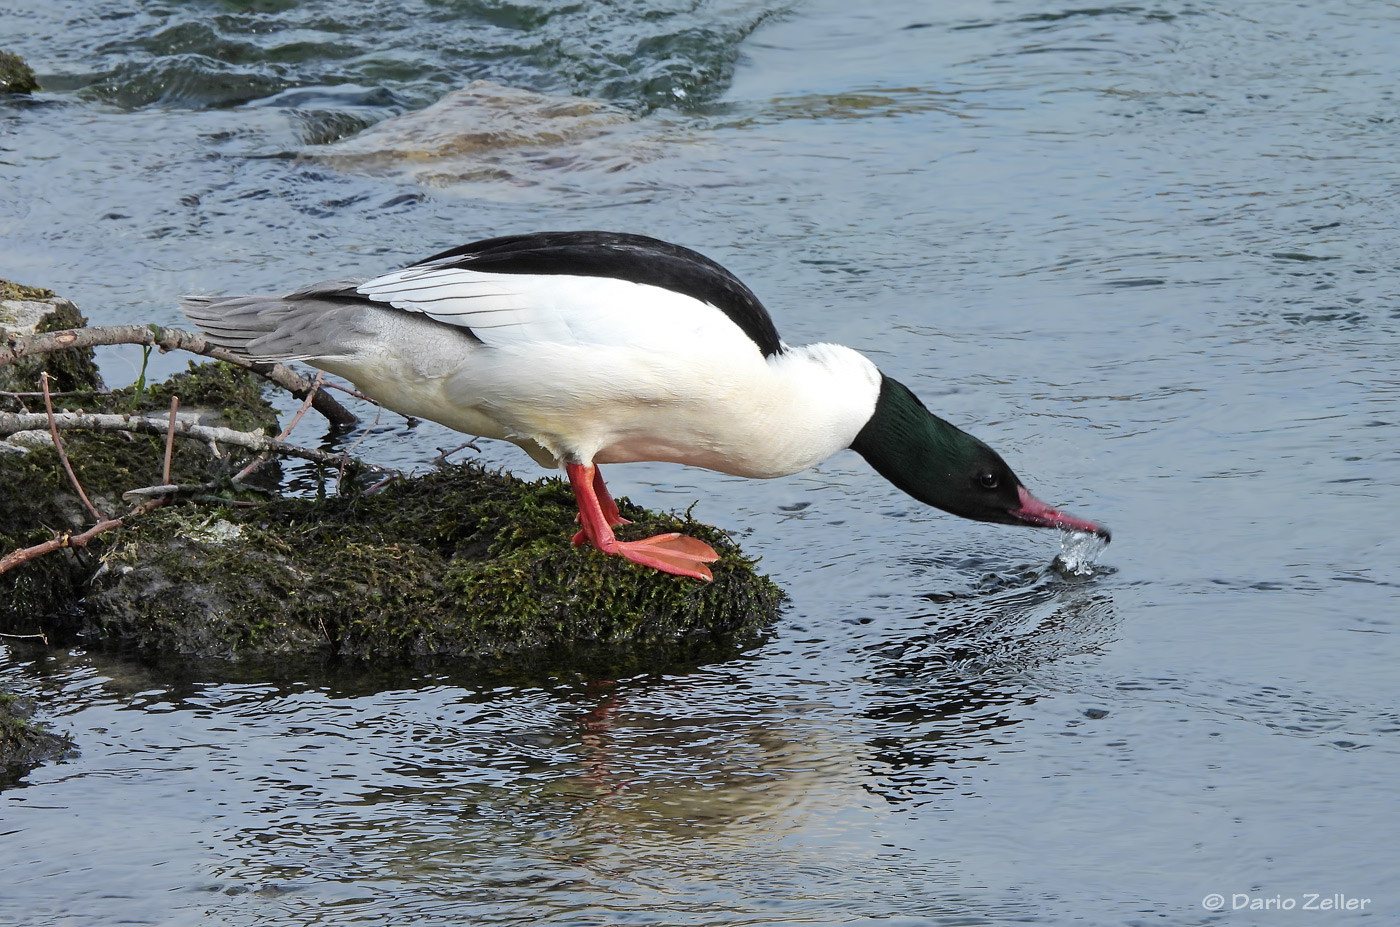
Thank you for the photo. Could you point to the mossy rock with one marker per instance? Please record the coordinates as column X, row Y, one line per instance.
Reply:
column 9, row 290
column 463, row 563
column 24, row 742
column 37, row 500
column 27, row 310
column 15, row 75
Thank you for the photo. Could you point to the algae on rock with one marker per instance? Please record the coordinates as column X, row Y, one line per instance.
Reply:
column 29, row 310
column 461, row 563
column 16, row 76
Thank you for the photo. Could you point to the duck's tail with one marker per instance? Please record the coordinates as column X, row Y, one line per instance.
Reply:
column 318, row 321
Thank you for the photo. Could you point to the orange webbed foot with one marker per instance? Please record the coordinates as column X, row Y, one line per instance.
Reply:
column 671, row 553
column 581, row 537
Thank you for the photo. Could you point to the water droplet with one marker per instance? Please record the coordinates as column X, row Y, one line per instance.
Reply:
column 1078, row 551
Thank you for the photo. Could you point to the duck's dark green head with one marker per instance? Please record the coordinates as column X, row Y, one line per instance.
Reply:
column 943, row 466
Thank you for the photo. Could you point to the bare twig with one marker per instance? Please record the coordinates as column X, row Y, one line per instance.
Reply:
column 40, row 636
column 316, row 385
column 170, row 439
column 25, row 554
column 263, row 458
column 443, row 453
column 169, row 489
column 171, row 339
column 62, row 454
column 179, row 492
column 371, row 490
column 58, row 393
column 345, row 458
column 348, row 391
column 12, row 422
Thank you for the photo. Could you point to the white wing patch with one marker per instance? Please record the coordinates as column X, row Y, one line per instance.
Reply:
column 469, row 300
column 518, row 309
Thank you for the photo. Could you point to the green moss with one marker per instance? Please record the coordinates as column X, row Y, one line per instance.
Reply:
column 461, row 563
column 37, row 500
column 11, row 290
column 15, row 75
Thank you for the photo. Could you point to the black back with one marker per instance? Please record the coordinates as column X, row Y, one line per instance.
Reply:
column 624, row 256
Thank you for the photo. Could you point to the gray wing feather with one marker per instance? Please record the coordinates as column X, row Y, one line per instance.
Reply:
column 322, row 320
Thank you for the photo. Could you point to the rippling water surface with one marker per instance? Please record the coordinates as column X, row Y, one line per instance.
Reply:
column 1148, row 252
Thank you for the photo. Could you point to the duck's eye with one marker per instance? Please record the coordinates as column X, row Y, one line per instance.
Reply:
column 989, row 480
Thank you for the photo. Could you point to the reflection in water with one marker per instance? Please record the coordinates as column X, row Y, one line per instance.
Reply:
column 953, row 690
column 645, row 793
column 698, row 791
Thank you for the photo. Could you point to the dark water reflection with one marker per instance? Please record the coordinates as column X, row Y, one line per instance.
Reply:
column 703, row 792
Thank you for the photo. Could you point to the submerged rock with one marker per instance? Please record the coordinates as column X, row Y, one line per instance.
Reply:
column 490, row 132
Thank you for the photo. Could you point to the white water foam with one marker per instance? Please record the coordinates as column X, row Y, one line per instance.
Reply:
column 1078, row 551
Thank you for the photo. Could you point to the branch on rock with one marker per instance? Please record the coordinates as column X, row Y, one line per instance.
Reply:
column 195, row 492
column 62, row 455
column 171, row 339
column 55, row 422
column 14, row 422
column 25, row 554
column 39, row 636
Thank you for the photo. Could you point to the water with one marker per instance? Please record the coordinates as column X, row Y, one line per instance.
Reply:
column 1079, row 552
column 1147, row 252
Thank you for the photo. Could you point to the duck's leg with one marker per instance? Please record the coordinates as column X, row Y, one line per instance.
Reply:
column 605, row 500
column 670, row 553
column 606, row 503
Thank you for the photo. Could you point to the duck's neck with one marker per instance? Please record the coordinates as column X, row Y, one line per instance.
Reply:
column 914, row 449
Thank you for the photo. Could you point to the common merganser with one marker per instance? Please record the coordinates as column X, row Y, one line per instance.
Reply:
column 588, row 348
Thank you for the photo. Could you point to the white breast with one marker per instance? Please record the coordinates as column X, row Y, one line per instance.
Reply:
column 793, row 412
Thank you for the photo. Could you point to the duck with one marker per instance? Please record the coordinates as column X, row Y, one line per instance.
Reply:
column 591, row 348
